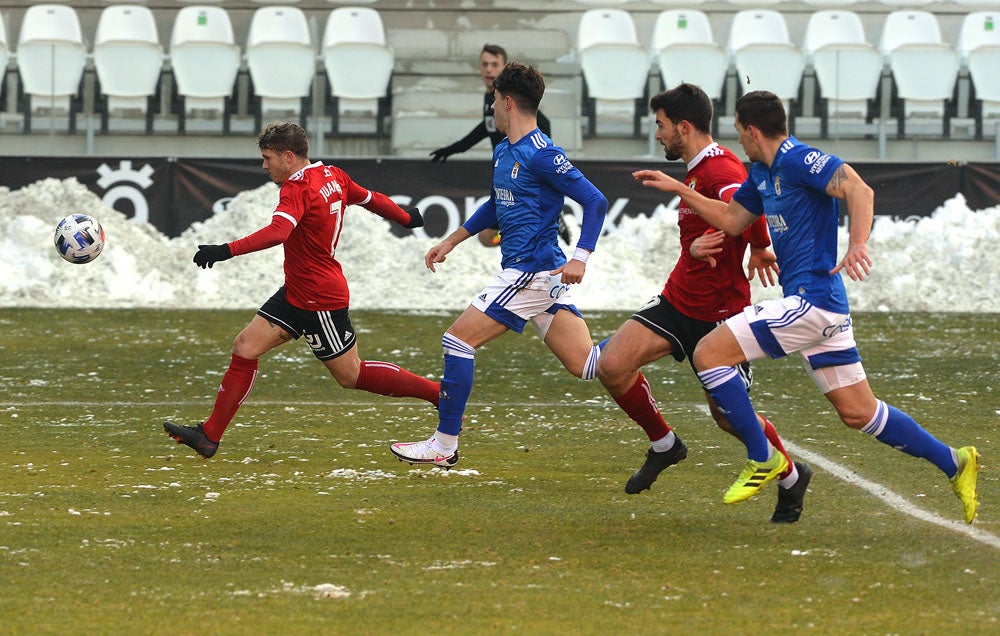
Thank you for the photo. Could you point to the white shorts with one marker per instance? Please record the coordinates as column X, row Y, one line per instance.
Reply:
column 515, row 297
column 824, row 339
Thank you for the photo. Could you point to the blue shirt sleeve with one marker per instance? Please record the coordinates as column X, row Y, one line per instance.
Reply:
column 485, row 216
column 747, row 195
column 551, row 166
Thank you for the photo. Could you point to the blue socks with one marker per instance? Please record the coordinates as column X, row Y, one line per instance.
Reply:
column 726, row 387
column 897, row 429
column 456, row 383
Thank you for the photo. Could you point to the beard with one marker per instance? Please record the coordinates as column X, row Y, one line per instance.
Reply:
column 674, row 148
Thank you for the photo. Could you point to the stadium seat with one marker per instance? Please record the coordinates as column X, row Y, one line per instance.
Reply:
column 979, row 49
column 924, row 67
column 281, row 61
column 686, row 50
column 615, row 67
column 128, row 59
column 4, row 59
column 847, row 67
column 764, row 56
column 358, row 65
column 50, row 61
column 205, row 59
column 831, row 3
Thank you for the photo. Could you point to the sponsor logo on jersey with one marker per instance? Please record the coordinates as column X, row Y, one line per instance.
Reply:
column 820, row 163
column 762, row 186
column 503, row 195
column 314, row 341
column 777, row 185
column 348, row 335
column 562, row 164
column 482, row 297
column 811, row 157
column 515, row 170
column 776, row 223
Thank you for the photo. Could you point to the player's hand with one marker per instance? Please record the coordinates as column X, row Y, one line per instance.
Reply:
column 441, row 155
column 709, row 243
column 764, row 264
column 572, row 271
column 437, row 254
column 415, row 219
column 208, row 255
column 657, row 179
column 856, row 262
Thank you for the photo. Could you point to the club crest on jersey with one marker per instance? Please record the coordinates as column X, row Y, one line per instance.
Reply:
column 777, row 186
column 693, row 183
column 515, row 170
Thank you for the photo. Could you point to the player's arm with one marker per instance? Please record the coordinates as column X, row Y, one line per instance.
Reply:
column 595, row 208
column 483, row 218
column 731, row 219
column 763, row 263
column 476, row 135
column 273, row 234
column 383, row 206
column 847, row 185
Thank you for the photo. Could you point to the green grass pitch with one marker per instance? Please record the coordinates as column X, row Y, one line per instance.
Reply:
column 304, row 523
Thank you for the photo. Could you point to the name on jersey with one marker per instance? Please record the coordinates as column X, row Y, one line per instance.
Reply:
column 503, row 195
column 329, row 188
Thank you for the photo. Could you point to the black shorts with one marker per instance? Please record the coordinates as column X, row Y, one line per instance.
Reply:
column 328, row 333
column 683, row 332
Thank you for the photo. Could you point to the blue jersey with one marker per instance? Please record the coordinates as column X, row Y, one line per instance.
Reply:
column 531, row 180
column 803, row 220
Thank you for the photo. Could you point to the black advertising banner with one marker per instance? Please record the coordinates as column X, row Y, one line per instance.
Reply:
column 174, row 193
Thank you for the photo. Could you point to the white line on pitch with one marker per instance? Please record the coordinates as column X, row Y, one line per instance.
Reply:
column 891, row 498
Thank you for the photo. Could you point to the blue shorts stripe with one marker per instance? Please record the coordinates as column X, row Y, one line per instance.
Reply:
column 523, row 281
column 506, row 317
column 768, row 343
column 834, row 358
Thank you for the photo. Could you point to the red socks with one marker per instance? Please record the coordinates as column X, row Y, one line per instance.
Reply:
column 385, row 378
column 236, row 386
column 772, row 436
column 638, row 404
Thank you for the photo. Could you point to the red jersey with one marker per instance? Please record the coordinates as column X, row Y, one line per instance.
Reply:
column 697, row 289
column 308, row 221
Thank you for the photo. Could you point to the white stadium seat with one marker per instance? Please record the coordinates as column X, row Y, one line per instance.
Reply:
column 50, row 60
column 358, row 64
column 281, row 61
column 205, row 59
column 847, row 67
column 923, row 66
column 615, row 67
column 979, row 48
column 128, row 59
column 686, row 51
column 763, row 54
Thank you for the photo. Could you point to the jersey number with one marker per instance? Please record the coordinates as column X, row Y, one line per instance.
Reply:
column 335, row 208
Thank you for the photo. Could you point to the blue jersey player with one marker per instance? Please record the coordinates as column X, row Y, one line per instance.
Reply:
column 798, row 188
column 531, row 178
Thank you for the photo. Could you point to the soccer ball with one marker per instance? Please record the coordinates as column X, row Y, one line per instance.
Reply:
column 79, row 238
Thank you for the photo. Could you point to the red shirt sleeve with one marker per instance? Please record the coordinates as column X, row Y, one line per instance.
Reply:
column 757, row 234
column 269, row 236
column 376, row 202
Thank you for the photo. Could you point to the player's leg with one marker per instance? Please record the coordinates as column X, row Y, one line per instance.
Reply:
column 632, row 346
column 258, row 337
column 567, row 336
column 716, row 359
column 470, row 331
column 858, row 408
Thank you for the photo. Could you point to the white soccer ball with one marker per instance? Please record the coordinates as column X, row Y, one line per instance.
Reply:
column 79, row 238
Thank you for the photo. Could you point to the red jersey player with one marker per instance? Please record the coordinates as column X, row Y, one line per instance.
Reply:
column 314, row 299
column 706, row 286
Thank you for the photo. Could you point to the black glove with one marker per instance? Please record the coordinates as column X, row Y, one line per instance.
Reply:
column 208, row 255
column 441, row 154
column 415, row 219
